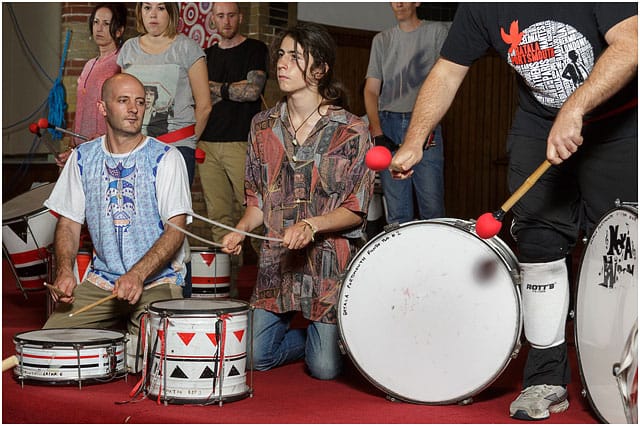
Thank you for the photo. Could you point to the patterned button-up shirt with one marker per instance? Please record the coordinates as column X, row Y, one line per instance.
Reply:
column 291, row 182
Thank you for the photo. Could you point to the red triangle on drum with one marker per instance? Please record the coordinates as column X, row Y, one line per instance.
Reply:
column 239, row 334
column 213, row 338
column 208, row 258
column 186, row 337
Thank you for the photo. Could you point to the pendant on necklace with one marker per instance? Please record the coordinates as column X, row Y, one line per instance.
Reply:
column 295, row 142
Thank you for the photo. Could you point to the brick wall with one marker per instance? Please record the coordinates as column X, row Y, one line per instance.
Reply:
column 75, row 16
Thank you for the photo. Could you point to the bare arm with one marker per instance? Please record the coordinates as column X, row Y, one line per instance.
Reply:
column 198, row 79
column 248, row 90
column 67, row 240
column 617, row 65
column 130, row 285
column 433, row 102
column 372, row 88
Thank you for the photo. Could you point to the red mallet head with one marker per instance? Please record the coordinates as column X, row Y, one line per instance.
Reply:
column 200, row 156
column 43, row 123
column 378, row 158
column 487, row 226
column 33, row 128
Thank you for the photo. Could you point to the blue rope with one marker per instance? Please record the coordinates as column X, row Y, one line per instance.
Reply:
column 57, row 103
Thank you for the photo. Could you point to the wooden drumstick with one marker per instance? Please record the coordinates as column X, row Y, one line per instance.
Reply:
column 93, row 305
column 10, row 362
column 55, row 289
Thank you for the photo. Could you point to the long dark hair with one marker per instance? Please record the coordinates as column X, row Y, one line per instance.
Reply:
column 315, row 41
column 118, row 20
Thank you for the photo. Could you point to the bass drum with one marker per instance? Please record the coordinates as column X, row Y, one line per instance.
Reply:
column 607, row 315
column 430, row 313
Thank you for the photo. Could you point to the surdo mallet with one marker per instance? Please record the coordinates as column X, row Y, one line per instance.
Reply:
column 488, row 225
column 43, row 123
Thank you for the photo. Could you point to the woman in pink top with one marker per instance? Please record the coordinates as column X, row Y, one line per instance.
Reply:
column 107, row 25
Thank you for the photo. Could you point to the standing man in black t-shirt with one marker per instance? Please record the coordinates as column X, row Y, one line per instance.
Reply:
column 237, row 76
column 585, row 124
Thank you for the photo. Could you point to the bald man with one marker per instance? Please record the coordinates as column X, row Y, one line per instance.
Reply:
column 125, row 186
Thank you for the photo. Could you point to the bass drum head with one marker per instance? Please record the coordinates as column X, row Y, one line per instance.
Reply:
column 429, row 312
column 607, row 308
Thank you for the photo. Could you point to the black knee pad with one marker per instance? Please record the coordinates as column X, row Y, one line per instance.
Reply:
column 541, row 245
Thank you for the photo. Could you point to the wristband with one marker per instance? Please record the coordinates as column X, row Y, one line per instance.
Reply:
column 224, row 91
column 313, row 229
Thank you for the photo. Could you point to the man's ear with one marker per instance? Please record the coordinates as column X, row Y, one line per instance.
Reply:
column 102, row 108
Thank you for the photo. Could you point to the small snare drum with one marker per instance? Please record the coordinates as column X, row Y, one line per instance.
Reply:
column 430, row 313
column 196, row 350
column 70, row 355
column 211, row 272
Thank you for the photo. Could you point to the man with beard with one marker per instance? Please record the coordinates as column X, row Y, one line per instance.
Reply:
column 125, row 186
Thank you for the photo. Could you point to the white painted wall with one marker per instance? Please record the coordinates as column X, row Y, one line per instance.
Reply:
column 361, row 15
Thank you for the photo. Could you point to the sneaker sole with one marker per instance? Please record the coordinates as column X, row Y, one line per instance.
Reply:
column 556, row 408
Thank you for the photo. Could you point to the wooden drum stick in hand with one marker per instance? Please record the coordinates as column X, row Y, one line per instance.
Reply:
column 93, row 305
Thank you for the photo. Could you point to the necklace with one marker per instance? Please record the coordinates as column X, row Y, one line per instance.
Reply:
column 120, row 170
column 295, row 130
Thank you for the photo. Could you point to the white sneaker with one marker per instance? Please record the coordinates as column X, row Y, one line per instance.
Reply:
column 537, row 402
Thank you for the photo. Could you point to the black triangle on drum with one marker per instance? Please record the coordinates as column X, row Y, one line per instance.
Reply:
column 234, row 371
column 20, row 229
column 207, row 373
column 178, row 373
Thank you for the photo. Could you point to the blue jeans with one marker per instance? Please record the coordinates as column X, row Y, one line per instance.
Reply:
column 427, row 180
column 275, row 344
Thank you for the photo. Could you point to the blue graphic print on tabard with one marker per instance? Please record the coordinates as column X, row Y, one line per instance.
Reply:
column 121, row 195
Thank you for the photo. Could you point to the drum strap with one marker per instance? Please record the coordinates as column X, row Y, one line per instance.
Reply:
column 142, row 343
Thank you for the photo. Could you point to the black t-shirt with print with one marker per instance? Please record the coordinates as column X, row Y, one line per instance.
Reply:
column 552, row 47
column 229, row 120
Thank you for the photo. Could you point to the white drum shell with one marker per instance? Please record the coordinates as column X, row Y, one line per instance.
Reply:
column 54, row 355
column 210, row 273
column 27, row 247
column 418, row 323
column 607, row 308
column 191, row 346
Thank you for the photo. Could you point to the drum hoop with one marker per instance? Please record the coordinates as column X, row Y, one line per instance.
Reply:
column 502, row 251
column 628, row 207
column 21, row 339
column 22, row 217
column 192, row 312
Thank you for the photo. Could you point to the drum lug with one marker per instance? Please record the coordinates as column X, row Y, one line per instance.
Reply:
column 391, row 227
column 343, row 351
column 516, row 350
column 466, row 401
column 391, row 398
column 583, row 392
column 572, row 314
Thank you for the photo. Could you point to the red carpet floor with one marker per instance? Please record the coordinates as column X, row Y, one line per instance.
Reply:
column 283, row 395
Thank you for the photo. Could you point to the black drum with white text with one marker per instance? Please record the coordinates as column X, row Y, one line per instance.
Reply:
column 196, row 350
column 70, row 355
column 607, row 316
column 429, row 312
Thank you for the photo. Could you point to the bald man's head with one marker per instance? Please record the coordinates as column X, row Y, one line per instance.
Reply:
column 107, row 87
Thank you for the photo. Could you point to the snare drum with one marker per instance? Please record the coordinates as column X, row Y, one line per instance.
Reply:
column 430, row 313
column 607, row 311
column 70, row 355
column 197, row 350
column 211, row 272
column 27, row 229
